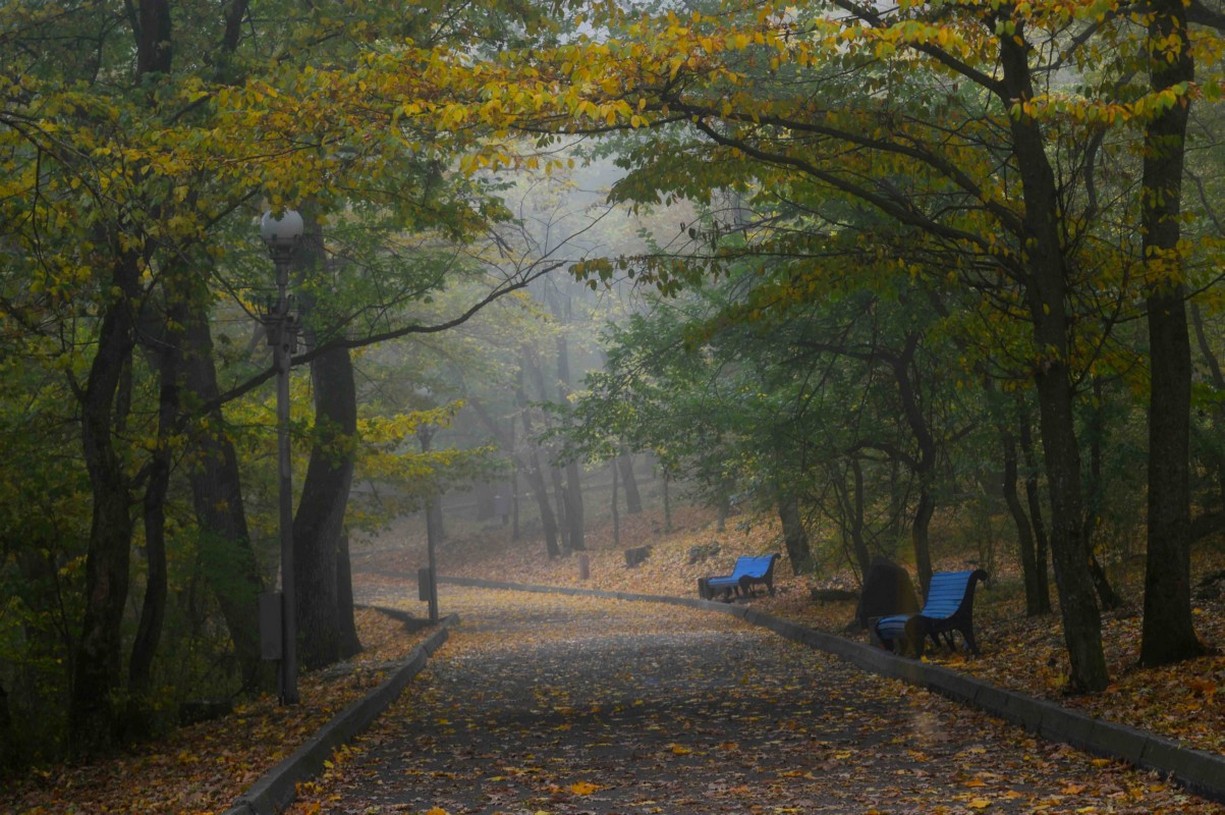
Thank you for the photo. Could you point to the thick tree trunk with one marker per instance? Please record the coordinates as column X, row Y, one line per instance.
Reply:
column 99, row 649
column 1046, row 294
column 227, row 557
column 1168, row 632
column 319, row 521
column 795, row 536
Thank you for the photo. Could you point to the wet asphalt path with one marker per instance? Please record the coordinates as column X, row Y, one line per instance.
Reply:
column 561, row 705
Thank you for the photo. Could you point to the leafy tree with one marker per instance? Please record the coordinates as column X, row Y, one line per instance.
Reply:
column 982, row 131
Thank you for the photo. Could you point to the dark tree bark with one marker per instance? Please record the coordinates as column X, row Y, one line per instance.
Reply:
column 851, row 503
column 319, row 521
column 924, row 463
column 633, row 498
column 167, row 358
column 1096, row 431
column 1046, row 296
column 1036, row 602
column 1033, row 500
column 795, row 536
column 562, row 527
column 1168, row 631
column 535, row 477
column 228, row 559
column 99, row 648
column 1216, row 459
column 99, row 651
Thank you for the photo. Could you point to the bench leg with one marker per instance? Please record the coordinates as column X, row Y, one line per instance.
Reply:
column 971, row 643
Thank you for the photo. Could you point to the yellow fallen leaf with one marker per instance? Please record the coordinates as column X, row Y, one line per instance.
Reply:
column 437, row 811
column 979, row 803
column 583, row 788
column 680, row 750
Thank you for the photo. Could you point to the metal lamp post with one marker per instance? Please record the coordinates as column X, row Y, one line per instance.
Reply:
column 425, row 433
column 281, row 235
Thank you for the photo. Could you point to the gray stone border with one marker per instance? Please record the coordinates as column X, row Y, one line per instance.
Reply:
column 275, row 789
column 1199, row 771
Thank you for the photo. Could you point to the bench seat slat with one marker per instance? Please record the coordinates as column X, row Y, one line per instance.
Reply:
column 949, row 607
column 749, row 571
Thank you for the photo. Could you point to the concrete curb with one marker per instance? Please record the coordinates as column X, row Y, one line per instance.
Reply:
column 1199, row 771
column 276, row 788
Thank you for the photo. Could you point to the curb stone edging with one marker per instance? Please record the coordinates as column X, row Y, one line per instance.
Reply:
column 1199, row 771
column 275, row 789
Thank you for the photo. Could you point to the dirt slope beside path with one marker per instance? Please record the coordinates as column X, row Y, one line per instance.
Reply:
column 567, row 706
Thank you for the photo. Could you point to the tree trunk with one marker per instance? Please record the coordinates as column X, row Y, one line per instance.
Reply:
column 667, row 504
column 574, row 483
column 1025, row 531
column 904, row 374
column 99, row 649
column 530, row 464
column 1095, row 429
column 167, row 359
column 920, row 537
column 8, row 739
column 319, row 522
column 1168, row 631
column 350, row 643
column 795, row 537
column 855, row 512
column 1046, row 294
column 1217, row 378
column 227, row 557
column 633, row 499
column 616, row 514
column 1033, row 499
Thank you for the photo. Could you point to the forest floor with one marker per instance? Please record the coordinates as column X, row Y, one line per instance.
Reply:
column 203, row 768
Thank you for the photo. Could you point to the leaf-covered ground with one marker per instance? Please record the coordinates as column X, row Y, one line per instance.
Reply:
column 203, row 768
column 550, row 705
column 1185, row 701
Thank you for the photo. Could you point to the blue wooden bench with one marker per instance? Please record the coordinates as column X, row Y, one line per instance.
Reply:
column 949, row 608
column 749, row 571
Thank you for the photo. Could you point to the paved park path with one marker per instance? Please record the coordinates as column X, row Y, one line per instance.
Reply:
column 564, row 705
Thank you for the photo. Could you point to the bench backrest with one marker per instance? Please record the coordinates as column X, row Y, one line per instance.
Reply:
column 947, row 592
column 753, row 566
